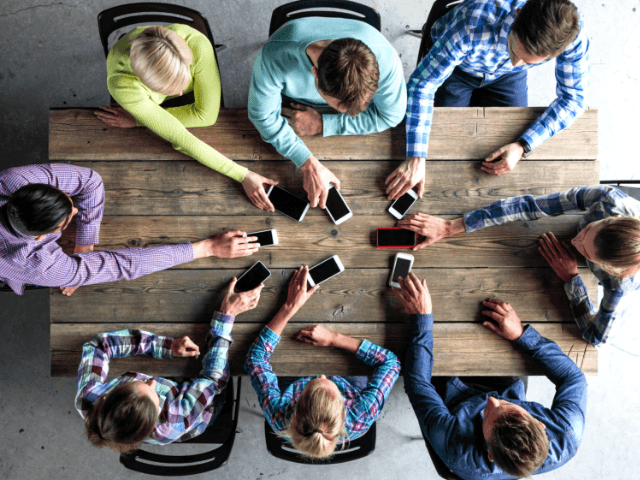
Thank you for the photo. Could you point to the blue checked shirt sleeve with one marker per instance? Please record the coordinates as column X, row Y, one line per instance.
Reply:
column 447, row 52
column 263, row 379
column 572, row 76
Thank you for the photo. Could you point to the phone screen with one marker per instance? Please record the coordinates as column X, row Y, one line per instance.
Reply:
column 287, row 202
column 402, row 269
column 336, row 205
column 403, row 204
column 265, row 238
column 396, row 238
column 324, row 270
column 252, row 278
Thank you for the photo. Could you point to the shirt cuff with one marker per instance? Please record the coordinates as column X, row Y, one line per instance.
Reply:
column 421, row 322
column 576, row 289
column 300, row 153
column 363, row 350
column 268, row 335
column 164, row 347
column 222, row 324
column 88, row 234
column 183, row 253
column 330, row 125
column 529, row 338
column 237, row 172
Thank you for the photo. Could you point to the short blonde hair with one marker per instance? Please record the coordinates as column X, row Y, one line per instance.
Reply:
column 160, row 59
column 317, row 423
column 617, row 245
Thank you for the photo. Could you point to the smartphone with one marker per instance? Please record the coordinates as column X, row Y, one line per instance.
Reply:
column 403, row 204
column 401, row 268
column 324, row 271
column 337, row 208
column 287, row 203
column 395, row 238
column 253, row 277
column 266, row 238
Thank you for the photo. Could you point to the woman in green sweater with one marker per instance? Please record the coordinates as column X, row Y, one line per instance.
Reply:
column 150, row 64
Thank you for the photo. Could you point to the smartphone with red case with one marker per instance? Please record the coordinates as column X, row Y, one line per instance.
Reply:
column 395, row 237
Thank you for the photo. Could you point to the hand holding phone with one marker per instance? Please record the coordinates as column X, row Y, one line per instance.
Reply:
column 414, row 295
column 235, row 303
column 401, row 267
column 265, row 238
column 298, row 292
column 252, row 278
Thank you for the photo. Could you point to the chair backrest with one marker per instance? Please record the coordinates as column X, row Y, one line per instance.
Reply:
column 323, row 8
column 352, row 450
column 439, row 9
column 221, row 431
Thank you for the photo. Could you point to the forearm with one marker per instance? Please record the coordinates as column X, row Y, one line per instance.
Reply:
column 345, row 342
column 279, row 322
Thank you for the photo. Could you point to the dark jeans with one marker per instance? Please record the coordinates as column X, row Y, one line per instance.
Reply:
column 464, row 90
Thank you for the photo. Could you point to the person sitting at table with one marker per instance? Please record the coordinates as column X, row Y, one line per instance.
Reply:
column 317, row 413
column 345, row 64
column 480, row 56
column 608, row 238
column 136, row 408
column 38, row 202
column 483, row 433
column 151, row 64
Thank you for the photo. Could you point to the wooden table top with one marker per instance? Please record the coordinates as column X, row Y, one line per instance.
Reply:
column 157, row 196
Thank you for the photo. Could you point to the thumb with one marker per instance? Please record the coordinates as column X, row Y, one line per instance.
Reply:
column 420, row 188
column 232, row 284
column 494, row 155
column 269, row 181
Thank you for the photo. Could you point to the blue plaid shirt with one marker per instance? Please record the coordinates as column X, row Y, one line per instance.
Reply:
column 473, row 37
column 597, row 202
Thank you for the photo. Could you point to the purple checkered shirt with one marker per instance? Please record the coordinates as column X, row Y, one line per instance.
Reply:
column 23, row 260
column 186, row 408
column 363, row 407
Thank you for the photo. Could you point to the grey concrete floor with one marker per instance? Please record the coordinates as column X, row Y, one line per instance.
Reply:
column 51, row 57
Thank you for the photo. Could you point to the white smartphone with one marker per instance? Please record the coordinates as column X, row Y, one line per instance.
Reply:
column 253, row 277
column 287, row 203
column 266, row 238
column 337, row 208
column 401, row 268
column 324, row 270
column 403, row 204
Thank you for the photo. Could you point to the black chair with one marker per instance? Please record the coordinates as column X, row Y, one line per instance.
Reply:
column 122, row 16
column 345, row 452
column 221, row 431
column 323, row 8
column 633, row 192
column 6, row 288
column 439, row 8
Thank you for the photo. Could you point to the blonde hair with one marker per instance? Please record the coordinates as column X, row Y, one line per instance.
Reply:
column 160, row 59
column 617, row 245
column 317, row 423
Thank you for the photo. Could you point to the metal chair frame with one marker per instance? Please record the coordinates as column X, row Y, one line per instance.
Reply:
column 439, row 8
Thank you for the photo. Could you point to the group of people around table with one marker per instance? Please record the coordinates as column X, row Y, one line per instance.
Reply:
column 481, row 52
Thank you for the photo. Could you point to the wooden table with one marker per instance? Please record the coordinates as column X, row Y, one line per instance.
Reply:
column 157, row 196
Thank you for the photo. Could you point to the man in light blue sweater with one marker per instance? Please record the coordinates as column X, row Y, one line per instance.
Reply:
column 319, row 62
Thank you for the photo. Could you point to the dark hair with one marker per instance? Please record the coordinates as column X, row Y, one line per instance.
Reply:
column 518, row 444
column 37, row 209
column 121, row 419
column 348, row 70
column 546, row 27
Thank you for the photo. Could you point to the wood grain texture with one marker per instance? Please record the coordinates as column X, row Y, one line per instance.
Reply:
column 354, row 296
column 454, row 188
column 459, row 349
column 76, row 134
column 316, row 238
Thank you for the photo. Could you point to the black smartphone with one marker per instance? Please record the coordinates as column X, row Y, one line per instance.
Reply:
column 325, row 270
column 287, row 203
column 395, row 238
column 266, row 238
column 337, row 208
column 253, row 277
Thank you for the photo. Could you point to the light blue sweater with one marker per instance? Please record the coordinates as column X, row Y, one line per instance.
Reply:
column 283, row 67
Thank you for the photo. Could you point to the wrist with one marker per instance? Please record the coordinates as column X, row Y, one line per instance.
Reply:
column 455, row 226
column 310, row 163
column 202, row 249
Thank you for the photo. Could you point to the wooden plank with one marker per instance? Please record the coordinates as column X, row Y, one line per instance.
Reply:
column 513, row 245
column 459, row 349
column 190, row 188
column 457, row 133
column 354, row 296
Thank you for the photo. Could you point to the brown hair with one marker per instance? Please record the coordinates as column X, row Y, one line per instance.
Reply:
column 121, row 419
column 546, row 27
column 518, row 444
column 159, row 59
column 317, row 423
column 617, row 244
column 348, row 71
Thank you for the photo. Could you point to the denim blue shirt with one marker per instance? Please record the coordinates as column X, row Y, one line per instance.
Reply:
column 454, row 426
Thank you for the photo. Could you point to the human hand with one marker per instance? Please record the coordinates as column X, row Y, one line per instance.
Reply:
column 508, row 325
column 299, row 291
column 235, row 303
column 414, row 295
column 507, row 156
column 316, row 181
column 410, row 173
column 184, row 347
column 304, row 120
column 68, row 291
column 432, row 228
column 254, row 188
column 559, row 256
column 317, row 335
column 230, row 244
column 116, row 117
